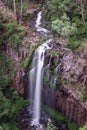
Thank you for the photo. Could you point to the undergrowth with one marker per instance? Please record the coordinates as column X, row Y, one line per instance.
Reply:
column 60, row 117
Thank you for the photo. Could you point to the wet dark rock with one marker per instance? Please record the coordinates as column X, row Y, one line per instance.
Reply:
column 47, row 57
column 54, row 61
column 24, row 119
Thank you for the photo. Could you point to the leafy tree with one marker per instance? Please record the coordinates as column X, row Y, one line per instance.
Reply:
column 68, row 18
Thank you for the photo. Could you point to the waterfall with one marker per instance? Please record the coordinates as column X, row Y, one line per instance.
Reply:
column 38, row 20
column 36, row 72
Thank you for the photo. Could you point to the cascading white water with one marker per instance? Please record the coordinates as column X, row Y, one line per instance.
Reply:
column 36, row 73
column 38, row 20
column 38, row 66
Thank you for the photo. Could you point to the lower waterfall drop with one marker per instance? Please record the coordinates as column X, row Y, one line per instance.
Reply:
column 37, row 74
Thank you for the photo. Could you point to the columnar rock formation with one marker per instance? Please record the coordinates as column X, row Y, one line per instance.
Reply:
column 69, row 94
column 71, row 107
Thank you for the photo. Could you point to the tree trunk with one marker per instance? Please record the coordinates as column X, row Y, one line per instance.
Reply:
column 14, row 5
column 21, row 8
column 81, row 2
column 83, row 16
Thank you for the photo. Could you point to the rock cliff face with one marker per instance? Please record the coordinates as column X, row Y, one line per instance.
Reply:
column 18, row 57
column 71, row 94
column 19, row 81
column 71, row 107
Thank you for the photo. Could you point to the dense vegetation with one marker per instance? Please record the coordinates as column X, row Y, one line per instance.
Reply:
column 60, row 118
column 11, row 34
column 68, row 18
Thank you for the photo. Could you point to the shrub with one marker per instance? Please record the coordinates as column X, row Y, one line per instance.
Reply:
column 50, row 126
column 65, row 18
column 11, row 104
column 4, row 80
column 74, row 44
column 60, row 117
column 15, row 33
column 15, row 40
column 6, row 67
column 55, row 52
column 63, row 26
column 84, row 95
column 26, row 62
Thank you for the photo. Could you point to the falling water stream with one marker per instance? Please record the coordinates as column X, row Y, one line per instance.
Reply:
column 32, row 117
column 36, row 72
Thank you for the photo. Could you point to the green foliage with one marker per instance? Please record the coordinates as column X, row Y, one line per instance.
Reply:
column 65, row 18
column 15, row 34
column 60, row 117
column 59, row 80
column 5, row 106
column 1, row 32
column 1, row 25
column 55, row 114
column 28, row 44
column 73, row 44
column 6, row 66
column 55, row 52
column 72, row 126
column 50, row 126
column 33, row 48
column 45, row 80
column 63, row 26
column 26, row 62
column 9, row 126
column 83, row 128
column 84, row 95
column 24, row 8
column 13, row 27
column 10, row 33
column 4, row 80
column 11, row 103
column 15, row 40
